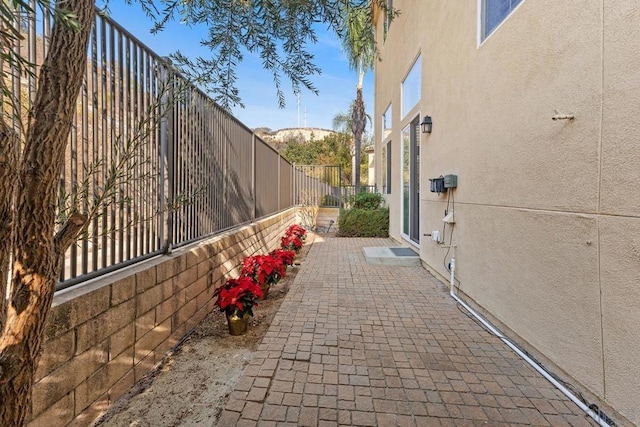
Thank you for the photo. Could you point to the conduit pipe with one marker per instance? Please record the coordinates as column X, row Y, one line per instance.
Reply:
column 530, row 361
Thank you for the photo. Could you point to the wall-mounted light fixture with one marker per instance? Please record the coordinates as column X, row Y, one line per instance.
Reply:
column 427, row 124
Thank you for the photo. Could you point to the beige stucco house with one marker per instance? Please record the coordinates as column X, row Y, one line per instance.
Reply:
column 535, row 107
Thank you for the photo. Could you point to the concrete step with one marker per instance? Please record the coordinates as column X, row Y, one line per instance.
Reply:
column 391, row 255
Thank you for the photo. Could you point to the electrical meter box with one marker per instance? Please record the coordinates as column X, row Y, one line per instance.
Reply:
column 450, row 181
column 437, row 185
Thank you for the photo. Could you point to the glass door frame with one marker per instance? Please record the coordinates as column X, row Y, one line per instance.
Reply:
column 410, row 173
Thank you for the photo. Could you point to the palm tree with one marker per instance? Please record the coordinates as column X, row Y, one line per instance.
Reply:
column 342, row 122
column 359, row 44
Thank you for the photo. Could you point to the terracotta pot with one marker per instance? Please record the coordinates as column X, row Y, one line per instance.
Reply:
column 237, row 324
column 265, row 289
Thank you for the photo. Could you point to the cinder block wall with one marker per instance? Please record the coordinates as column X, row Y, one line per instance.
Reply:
column 325, row 216
column 103, row 336
column 318, row 216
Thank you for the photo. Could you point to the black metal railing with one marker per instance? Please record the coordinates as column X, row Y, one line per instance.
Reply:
column 322, row 185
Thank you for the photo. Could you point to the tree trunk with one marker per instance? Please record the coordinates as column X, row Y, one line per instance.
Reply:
column 358, row 123
column 37, row 253
column 9, row 146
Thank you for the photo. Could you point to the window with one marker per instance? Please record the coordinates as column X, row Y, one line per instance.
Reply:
column 385, row 163
column 386, row 151
column 387, row 170
column 386, row 123
column 492, row 13
column 412, row 87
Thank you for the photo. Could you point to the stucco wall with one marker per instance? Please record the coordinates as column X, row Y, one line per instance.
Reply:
column 547, row 212
column 105, row 335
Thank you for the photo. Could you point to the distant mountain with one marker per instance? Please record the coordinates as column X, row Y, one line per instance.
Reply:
column 301, row 134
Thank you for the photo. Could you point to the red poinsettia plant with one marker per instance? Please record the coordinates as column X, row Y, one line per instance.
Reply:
column 264, row 269
column 296, row 230
column 291, row 242
column 293, row 238
column 285, row 255
column 238, row 296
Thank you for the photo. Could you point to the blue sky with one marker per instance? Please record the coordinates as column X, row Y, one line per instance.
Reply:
column 336, row 84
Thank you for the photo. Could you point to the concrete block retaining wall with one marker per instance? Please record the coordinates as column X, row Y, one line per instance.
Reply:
column 325, row 216
column 319, row 217
column 104, row 335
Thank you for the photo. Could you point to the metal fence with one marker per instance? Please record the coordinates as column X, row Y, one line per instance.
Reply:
column 348, row 191
column 317, row 185
column 322, row 185
column 184, row 168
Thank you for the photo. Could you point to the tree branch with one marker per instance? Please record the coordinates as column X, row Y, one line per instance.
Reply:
column 68, row 234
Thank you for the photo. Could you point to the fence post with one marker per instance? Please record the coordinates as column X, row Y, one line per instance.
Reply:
column 279, row 183
column 295, row 184
column 165, row 192
column 253, row 177
column 341, row 188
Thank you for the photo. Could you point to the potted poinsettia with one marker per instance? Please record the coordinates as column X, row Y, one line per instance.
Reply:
column 285, row 255
column 296, row 230
column 291, row 242
column 236, row 298
column 266, row 270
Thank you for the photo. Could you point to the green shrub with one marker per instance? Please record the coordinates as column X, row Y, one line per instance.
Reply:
column 364, row 223
column 366, row 201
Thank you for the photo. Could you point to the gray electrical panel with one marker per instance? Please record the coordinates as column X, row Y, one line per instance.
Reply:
column 450, row 181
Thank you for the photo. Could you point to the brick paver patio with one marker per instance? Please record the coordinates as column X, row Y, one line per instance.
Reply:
column 367, row 345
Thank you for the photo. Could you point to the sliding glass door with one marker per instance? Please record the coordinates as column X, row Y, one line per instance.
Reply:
column 411, row 181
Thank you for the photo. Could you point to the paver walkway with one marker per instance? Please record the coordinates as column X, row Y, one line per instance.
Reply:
column 361, row 344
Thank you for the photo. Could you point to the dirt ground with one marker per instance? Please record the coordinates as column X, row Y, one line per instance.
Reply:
column 190, row 387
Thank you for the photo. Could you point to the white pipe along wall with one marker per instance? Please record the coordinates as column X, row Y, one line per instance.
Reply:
column 497, row 333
